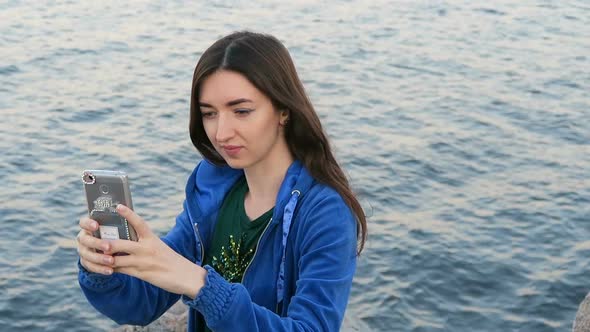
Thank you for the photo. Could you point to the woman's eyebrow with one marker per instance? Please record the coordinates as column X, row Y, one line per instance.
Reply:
column 229, row 103
column 238, row 101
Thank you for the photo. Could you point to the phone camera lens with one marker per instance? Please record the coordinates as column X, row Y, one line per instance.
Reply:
column 104, row 188
column 88, row 178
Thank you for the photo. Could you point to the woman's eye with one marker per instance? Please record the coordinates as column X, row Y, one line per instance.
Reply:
column 242, row 111
column 207, row 115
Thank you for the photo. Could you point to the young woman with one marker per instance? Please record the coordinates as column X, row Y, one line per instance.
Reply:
column 270, row 230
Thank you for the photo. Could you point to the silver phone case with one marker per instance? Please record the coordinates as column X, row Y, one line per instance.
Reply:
column 104, row 190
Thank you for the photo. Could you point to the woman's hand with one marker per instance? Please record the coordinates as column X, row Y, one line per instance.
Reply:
column 149, row 259
column 88, row 245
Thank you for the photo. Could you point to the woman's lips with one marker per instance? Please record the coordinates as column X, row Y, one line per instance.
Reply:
column 231, row 150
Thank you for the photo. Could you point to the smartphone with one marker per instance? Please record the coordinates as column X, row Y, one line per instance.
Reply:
column 104, row 190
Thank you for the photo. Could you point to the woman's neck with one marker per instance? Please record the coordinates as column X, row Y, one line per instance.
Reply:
column 264, row 181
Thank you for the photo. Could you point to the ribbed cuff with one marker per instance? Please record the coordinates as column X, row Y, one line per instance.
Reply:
column 95, row 281
column 215, row 297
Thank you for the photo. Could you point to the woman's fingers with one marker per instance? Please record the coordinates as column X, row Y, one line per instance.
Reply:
column 125, row 261
column 88, row 245
column 94, row 261
column 129, row 247
column 142, row 261
column 88, row 224
column 96, row 268
column 87, row 240
column 140, row 226
column 140, row 254
column 96, row 258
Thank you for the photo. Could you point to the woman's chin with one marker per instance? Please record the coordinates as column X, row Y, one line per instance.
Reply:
column 235, row 164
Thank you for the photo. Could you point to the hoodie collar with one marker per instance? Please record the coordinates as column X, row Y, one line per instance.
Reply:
column 209, row 184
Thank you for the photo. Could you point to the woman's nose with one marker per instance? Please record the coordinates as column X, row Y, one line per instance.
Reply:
column 225, row 129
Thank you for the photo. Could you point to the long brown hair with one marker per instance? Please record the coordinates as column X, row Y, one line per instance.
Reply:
column 266, row 63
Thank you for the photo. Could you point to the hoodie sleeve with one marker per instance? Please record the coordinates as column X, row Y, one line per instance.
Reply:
column 129, row 300
column 325, row 250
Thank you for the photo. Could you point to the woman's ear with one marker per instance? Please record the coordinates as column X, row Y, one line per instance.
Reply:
column 284, row 117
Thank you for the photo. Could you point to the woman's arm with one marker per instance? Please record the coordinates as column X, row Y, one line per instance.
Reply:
column 127, row 299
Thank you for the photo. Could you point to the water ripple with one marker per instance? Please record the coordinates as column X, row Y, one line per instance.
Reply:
column 461, row 126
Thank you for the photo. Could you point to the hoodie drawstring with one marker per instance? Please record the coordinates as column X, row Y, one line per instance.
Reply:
column 287, row 219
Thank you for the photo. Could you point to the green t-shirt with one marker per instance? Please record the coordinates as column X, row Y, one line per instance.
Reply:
column 235, row 236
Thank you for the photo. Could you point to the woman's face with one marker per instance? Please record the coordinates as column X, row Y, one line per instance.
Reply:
column 240, row 121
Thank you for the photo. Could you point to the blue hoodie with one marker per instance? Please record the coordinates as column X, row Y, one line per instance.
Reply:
column 298, row 280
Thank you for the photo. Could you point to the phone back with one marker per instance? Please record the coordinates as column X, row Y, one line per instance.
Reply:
column 104, row 190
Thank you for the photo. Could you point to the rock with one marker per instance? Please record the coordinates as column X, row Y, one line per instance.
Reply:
column 175, row 319
column 582, row 321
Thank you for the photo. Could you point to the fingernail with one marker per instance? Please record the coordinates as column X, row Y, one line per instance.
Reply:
column 105, row 247
column 93, row 225
column 107, row 260
column 120, row 207
column 108, row 271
